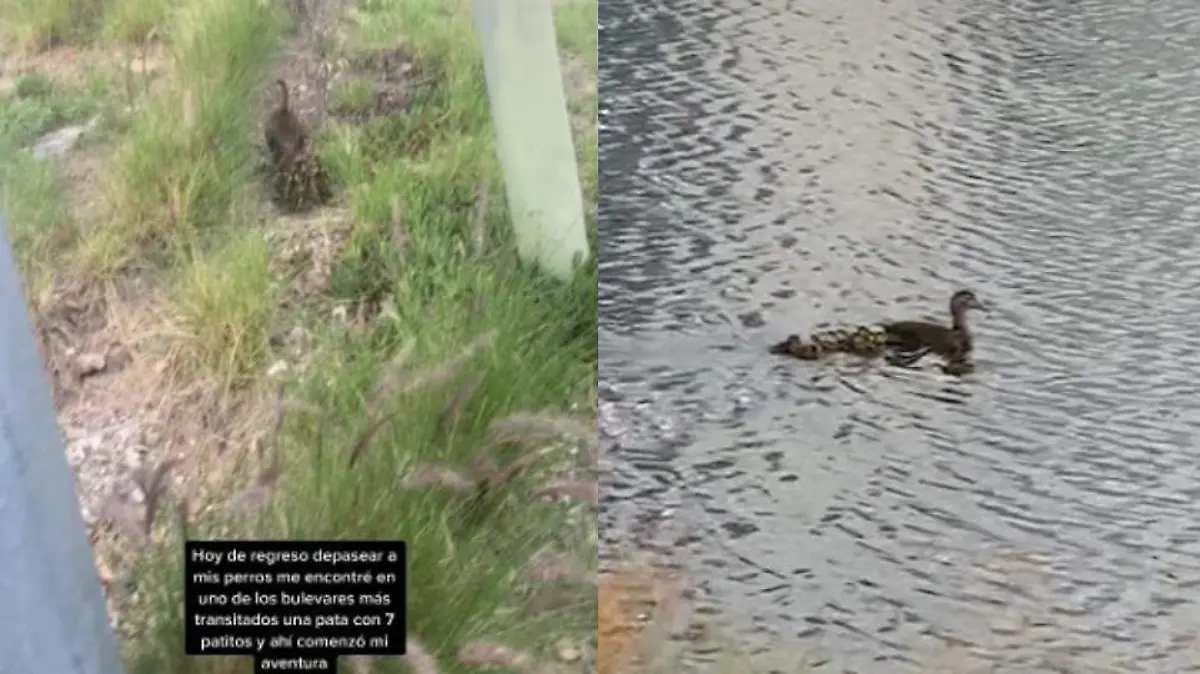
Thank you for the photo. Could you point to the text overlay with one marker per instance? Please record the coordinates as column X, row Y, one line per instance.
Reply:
column 295, row 605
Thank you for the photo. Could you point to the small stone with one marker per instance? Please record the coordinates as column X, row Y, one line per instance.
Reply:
column 151, row 437
column 58, row 142
column 88, row 364
column 277, row 368
column 567, row 651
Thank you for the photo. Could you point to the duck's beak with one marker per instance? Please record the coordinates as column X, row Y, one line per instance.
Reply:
column 976, row 304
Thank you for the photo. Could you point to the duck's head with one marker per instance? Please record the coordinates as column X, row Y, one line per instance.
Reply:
column 964, row 300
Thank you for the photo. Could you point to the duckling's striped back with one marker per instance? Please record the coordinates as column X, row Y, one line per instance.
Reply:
column 863, row 340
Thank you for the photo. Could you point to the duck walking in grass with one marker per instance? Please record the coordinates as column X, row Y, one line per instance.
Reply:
column 299, row 181
column 902, row 342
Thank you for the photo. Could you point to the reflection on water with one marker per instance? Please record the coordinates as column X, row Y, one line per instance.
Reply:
column 769, row 166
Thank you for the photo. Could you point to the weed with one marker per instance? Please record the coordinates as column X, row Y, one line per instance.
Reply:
column 224, row 304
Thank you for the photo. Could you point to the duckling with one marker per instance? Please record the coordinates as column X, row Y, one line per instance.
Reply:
column 863, row 340
column 903, row 342
column 301, row 183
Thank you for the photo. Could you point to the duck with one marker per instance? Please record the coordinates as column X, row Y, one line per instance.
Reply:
column 903, row 343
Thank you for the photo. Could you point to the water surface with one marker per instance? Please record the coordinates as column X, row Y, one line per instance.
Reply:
column 768, row 167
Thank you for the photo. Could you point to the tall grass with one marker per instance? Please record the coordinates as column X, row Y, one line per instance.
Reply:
column 475, row 337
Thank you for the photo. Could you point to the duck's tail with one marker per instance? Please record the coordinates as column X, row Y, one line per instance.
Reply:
column 864, row 340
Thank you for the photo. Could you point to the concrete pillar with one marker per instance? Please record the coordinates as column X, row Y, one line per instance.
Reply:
column 533, row 131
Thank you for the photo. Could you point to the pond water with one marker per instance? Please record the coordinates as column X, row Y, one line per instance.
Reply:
column 768, row 167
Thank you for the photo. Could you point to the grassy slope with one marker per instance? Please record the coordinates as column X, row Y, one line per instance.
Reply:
column 186, row 220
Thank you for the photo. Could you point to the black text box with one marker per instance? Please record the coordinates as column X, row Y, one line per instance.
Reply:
column 295, row 605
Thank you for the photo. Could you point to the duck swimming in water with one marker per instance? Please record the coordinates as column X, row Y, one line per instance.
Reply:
column 903, row 342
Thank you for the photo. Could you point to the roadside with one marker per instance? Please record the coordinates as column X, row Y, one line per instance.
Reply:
column 195, row 333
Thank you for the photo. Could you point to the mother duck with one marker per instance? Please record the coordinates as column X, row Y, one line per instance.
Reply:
column 903, row 342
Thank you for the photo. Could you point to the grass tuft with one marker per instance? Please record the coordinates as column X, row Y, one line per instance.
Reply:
column 174, row 182
column 32, row 25
column 225, row 303
column 133, row 21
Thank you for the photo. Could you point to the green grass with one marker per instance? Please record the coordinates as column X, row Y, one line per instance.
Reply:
column 36, row 106
column 182, row 213
column 38, row 218
column 576, row 22
column 576, row 37
column 132, row 21
column 178, row 186
column 34, row 24
column 31, row 25
column 225, row 305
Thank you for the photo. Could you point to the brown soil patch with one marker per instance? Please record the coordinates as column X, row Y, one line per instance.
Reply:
column 636, row 606
column 578, row 78
column 394, row 78
column 107, row 390
column 305, row 74
column 307, row 249
column 65, row 318
column 621, row 598
column 81, row 171
column 117, row 400
column 72, row 66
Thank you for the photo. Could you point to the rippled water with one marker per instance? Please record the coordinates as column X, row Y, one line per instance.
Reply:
column 814, row 161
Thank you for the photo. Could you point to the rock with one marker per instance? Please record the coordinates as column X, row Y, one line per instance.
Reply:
column 151, row 437
column 567, row 651
column 61, row 141
column 91, row 363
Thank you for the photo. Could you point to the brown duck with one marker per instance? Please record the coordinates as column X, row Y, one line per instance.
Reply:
column 299, row 181
column 902, row 342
